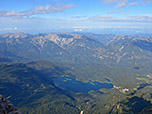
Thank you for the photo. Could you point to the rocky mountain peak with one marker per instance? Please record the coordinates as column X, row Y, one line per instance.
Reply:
column 143, row 39
column 15, row 35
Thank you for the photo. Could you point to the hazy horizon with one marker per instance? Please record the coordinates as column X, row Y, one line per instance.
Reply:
column 98, row 16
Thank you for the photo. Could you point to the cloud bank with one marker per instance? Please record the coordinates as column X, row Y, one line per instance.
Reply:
column 8, row 29
column 121, row 3
column 124, row 3
column 37, row 10
column 131, row 19
column 119, row 11
column 147, row 1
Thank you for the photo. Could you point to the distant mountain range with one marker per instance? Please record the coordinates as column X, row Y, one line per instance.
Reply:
column 29, row 62
column 66, row 47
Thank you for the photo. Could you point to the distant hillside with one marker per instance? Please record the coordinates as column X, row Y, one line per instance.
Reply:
column 29, row 88
column 4, row 59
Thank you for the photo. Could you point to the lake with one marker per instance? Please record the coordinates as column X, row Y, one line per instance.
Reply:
column 74, row 85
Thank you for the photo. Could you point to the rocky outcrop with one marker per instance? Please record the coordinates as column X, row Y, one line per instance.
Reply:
column 7, row 107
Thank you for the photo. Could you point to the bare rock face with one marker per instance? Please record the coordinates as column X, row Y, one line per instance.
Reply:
column 7, row 107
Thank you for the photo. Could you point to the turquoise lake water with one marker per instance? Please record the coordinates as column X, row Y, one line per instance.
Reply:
column 74, row 85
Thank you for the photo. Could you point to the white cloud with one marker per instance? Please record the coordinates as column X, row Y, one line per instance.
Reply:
column 38, row 10
column 119, row 11
column 143, row 18
column 81, row 28
column 78, row 30
column 110, row 1
column 147, row 1
column 133, row 3
column 79, row 16
column 8, row 29
column 120, row 3
column 134, row 19
column 15, row 28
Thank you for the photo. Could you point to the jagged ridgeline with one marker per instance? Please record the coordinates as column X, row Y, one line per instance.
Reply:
column 75, row 48
column 29, row 63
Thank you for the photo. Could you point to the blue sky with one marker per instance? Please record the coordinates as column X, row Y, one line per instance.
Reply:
column 101, row 16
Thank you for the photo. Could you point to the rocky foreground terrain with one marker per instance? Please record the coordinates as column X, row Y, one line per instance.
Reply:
column 7, row 107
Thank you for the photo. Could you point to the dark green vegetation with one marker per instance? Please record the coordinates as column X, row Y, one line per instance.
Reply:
column 29, row 89
column 135, row 104
column 26, row 72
